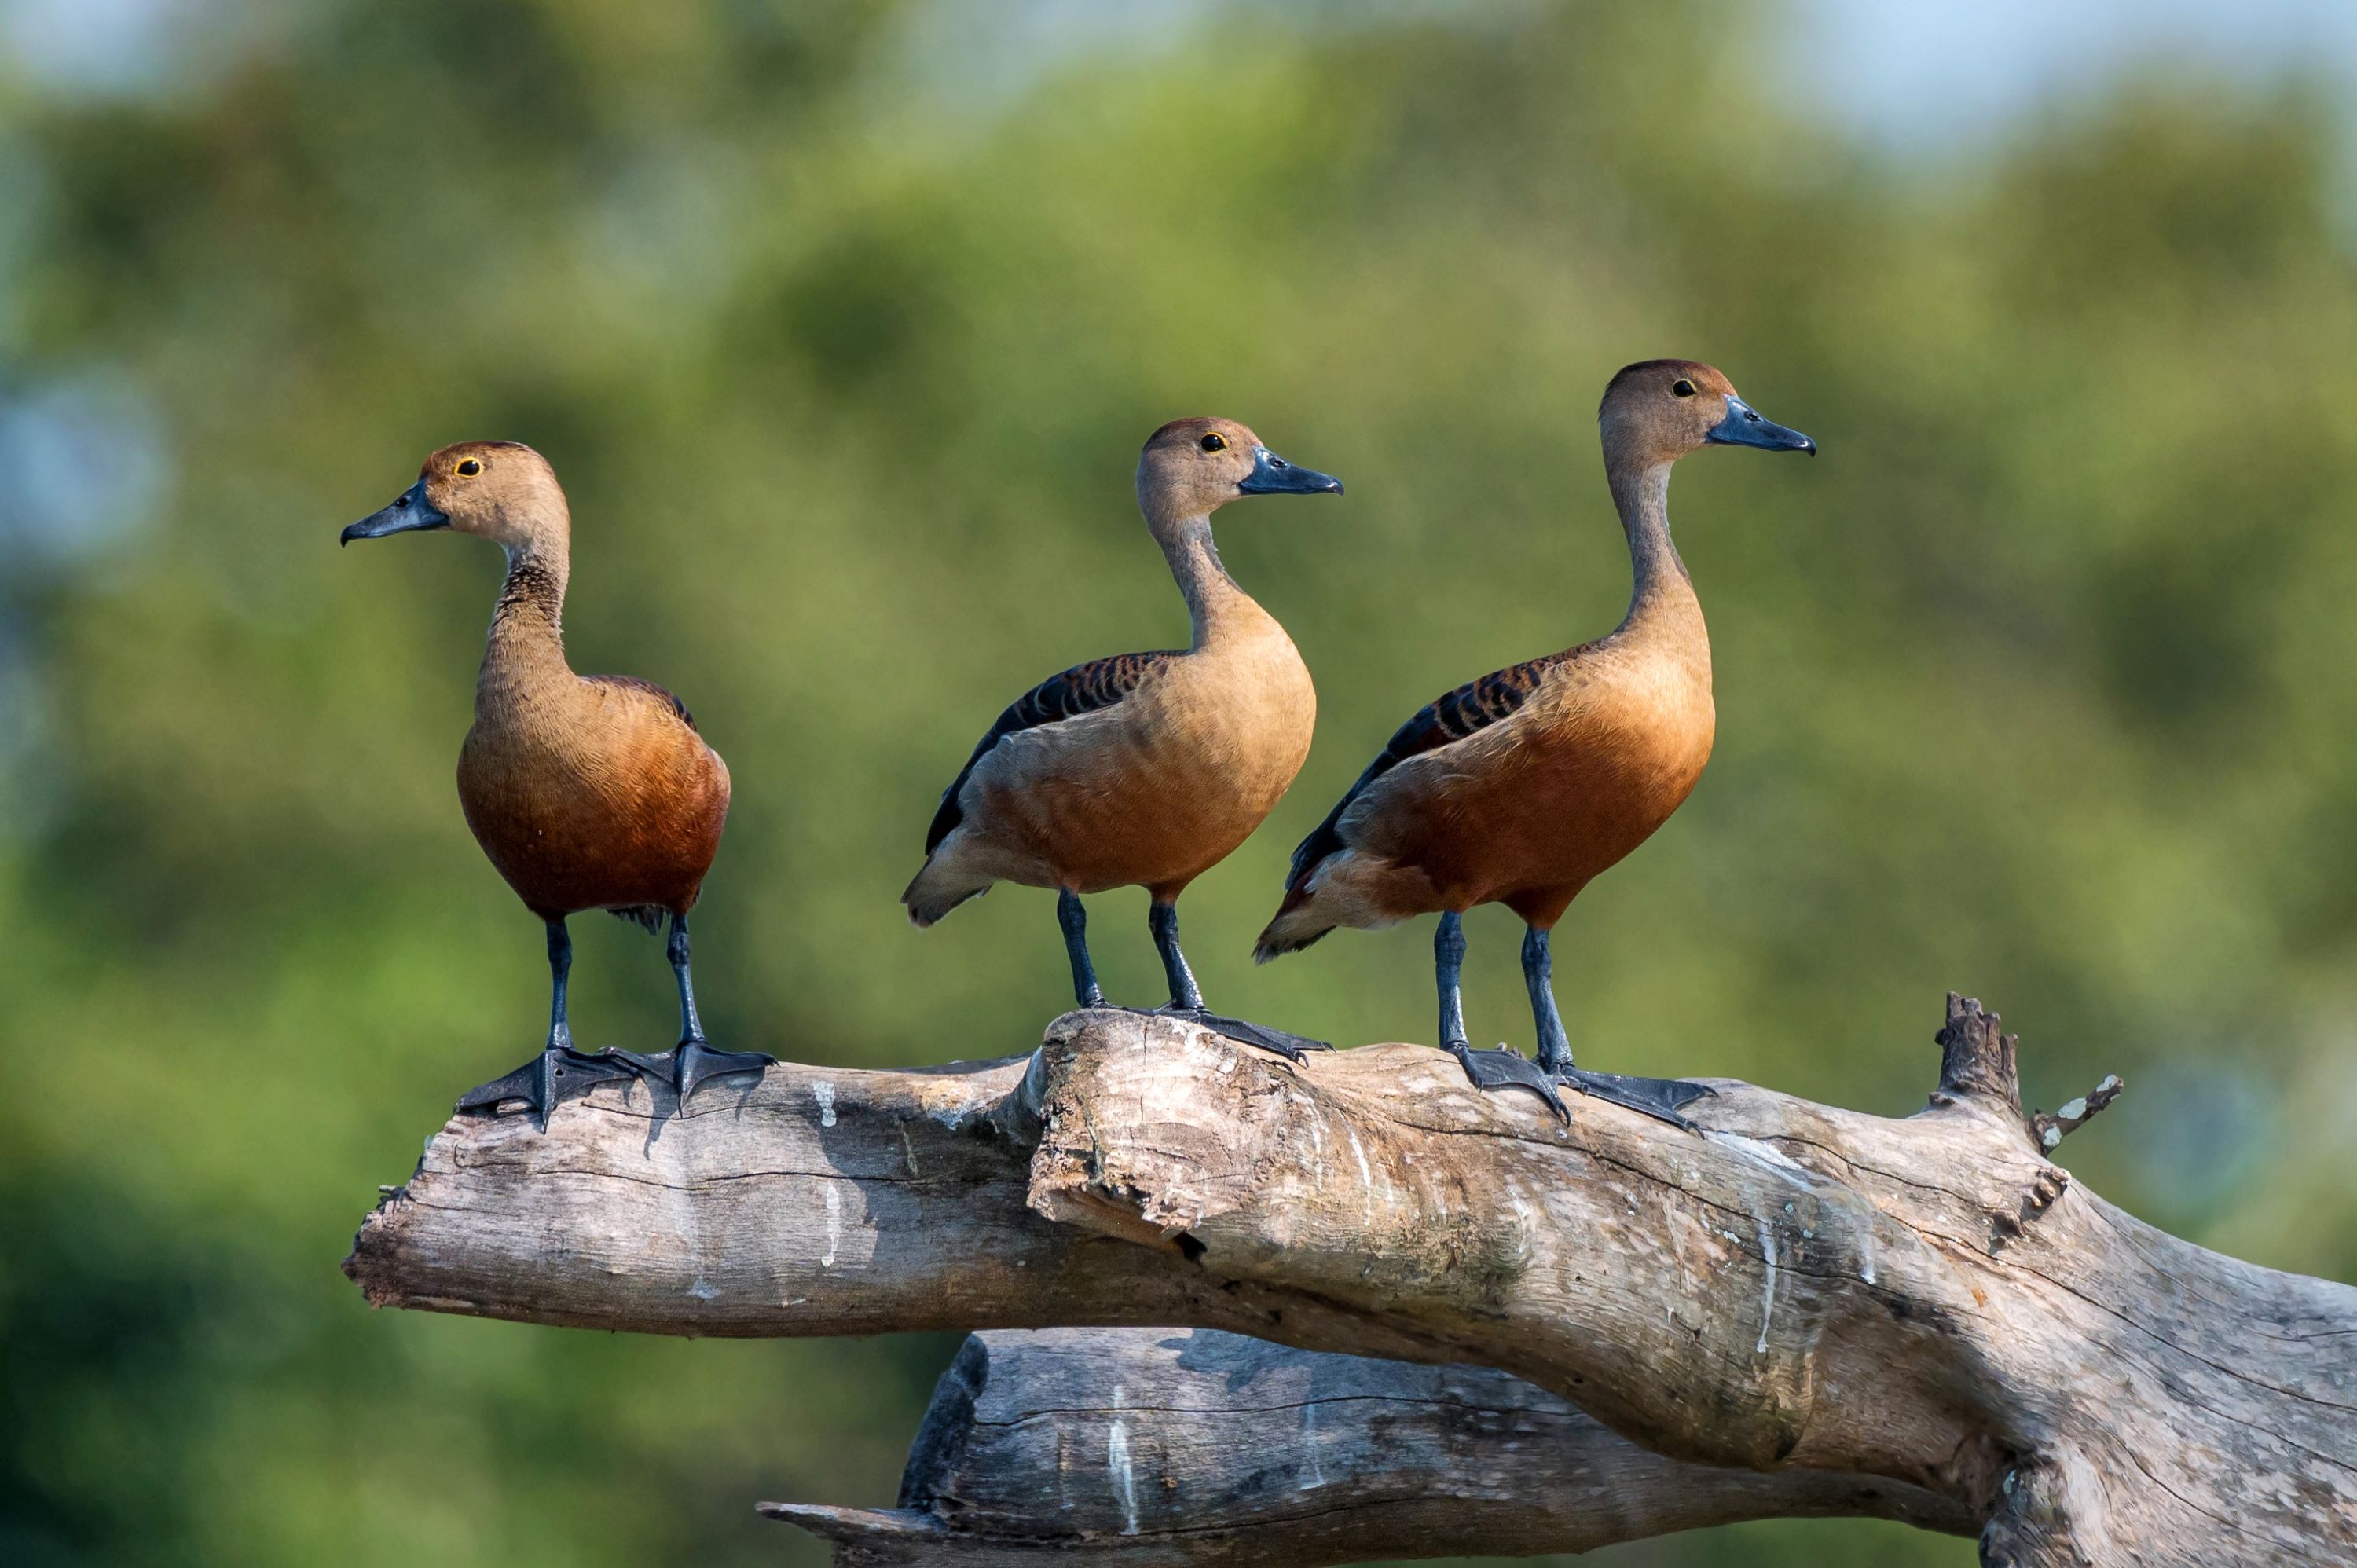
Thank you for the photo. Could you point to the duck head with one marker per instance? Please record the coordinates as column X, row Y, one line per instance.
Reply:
column 1657, row 411
column 502, row 490
column 1192, row 468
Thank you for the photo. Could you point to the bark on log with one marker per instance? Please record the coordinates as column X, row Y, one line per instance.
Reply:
column 1141, row 1447
column 1793, row 1290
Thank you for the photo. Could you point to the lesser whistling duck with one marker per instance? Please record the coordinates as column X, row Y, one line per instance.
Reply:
column 587, row 792
column 1520, row 786
column 1146, row 768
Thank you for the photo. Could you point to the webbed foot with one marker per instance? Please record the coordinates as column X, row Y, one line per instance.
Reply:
column 690, row 1064
column 1291, row 1046
column 1659, row 1098
column 559, row 1073
column 1506, row 1068
column 699, row 1063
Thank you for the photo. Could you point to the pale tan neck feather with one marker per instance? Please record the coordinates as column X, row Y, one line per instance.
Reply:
column 1221, row 611
column 1662, row 608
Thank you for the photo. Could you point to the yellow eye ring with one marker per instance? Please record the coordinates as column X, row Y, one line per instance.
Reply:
column 1215, row 442
column 467, row 467
column 1681, row 388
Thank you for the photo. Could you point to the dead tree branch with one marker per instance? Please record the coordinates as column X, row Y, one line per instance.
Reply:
column 1918, row 1306
column 1136, row 1446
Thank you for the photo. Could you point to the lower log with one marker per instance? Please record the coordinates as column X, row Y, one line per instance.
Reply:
column 1149, row 1446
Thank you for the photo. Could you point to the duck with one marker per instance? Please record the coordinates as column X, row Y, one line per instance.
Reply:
column 1144, row 769
column 584, row 791
column 1521, row 786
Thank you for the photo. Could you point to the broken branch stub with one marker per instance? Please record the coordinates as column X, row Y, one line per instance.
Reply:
column 1977, row 1056
column 1978, row 1060
column 2050, row 1127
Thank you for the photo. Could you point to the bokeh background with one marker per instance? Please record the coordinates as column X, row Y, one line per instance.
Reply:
column 842, row 324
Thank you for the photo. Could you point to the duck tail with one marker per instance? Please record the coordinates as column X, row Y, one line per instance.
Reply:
column 937, row 889
column 1298, row 924
column 650, row 916
column 1361, row 891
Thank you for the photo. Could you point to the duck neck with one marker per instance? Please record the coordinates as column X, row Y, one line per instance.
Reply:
column 1662, row 587
column 527, row 644
column 1214, row 603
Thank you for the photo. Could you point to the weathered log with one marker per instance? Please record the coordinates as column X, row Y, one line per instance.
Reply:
column 1789, row 1289
column 1138, row 1447
column 814, row 1200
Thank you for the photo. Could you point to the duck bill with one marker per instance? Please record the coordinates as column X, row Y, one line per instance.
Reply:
column 409, row 513
column 1744, row 427
column 1273, row 476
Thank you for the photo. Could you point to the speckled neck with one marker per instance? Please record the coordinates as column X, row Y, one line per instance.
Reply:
column 526, row 651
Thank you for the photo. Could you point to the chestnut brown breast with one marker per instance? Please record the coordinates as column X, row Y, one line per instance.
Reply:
column 598, row 794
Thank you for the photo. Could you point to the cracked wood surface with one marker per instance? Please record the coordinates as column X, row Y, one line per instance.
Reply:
column 1793, row 1289
column 812, row 1201
column 1135, row 1447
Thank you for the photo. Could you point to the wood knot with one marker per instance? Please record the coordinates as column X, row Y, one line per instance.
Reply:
column 2050, row 1511
column 2050, row 1184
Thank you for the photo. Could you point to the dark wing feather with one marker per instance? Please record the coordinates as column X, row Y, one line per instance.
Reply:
column 1083, row 689
column 641, row 683
column 1475, row 705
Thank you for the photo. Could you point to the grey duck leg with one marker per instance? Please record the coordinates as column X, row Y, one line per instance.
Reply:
column 1187, row 997
column 693, row 1061
column 1656, row 1097
column 1501, row 1068
column 1074, row 917
column 559, row 1069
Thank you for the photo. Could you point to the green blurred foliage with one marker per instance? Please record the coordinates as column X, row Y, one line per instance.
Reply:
column 2037, row 683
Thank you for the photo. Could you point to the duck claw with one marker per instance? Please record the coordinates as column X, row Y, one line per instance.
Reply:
column 556, row 1074
column 1504, row 1069
column 1291, row 1046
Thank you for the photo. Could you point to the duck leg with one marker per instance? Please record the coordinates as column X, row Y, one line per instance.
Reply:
column 1187, row 997
column 1501, row 1068
column 1074, row 918
column 1656, row 1097
column 542, row 1081
column 1162, row 919
column 693, row 1061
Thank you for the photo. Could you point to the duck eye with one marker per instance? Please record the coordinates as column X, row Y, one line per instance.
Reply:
column 468, row 468
column 1215, row 442
column 1681, row 388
